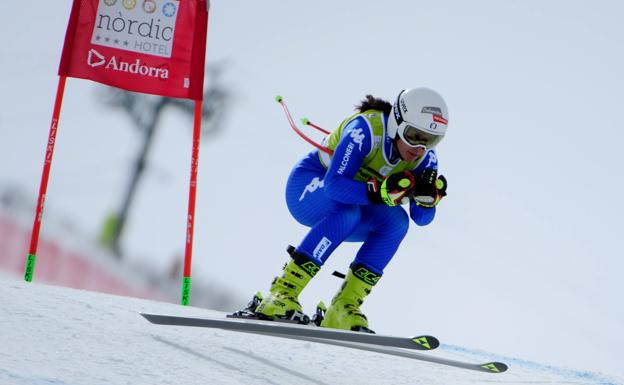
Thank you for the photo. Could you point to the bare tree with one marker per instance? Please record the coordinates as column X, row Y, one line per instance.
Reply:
column 145, row 111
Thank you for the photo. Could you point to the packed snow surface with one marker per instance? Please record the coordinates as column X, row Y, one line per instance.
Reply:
column 56, row 336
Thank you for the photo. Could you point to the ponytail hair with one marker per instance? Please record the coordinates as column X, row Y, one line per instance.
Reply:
column 372, row 103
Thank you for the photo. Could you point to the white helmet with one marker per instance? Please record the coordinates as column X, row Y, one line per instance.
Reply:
column 419, row 117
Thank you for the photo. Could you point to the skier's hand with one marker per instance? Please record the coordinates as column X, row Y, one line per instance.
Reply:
column 429, row 188
column 393, row 190
column 441, row 184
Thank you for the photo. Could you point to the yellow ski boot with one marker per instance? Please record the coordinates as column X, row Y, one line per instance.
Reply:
column 282, row 302
column 344, row 312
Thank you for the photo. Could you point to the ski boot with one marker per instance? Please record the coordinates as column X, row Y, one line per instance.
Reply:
column 282, row 302
column 344, row 311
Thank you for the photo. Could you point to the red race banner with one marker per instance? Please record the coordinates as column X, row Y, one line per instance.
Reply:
column 149, row 46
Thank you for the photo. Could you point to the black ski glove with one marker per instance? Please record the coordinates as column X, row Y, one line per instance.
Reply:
column 429, row 189
column 441, row 187
column 391, row 190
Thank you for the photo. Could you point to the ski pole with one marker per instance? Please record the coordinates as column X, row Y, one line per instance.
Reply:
column 280, row 100
column 307, row 122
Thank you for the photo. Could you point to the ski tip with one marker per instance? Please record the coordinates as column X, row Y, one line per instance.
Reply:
column 305, row 121
column 149, row 317
column 426, row 342
column 495, row 367
column 154, row 318
column 278, row 99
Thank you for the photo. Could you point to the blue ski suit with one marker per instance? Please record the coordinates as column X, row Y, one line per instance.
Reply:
column 337, row 209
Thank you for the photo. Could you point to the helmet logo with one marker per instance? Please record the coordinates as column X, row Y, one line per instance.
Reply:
column 433, row 125
column 439, row 119
column 397, row 114
column 431, row 110
column 403, row 106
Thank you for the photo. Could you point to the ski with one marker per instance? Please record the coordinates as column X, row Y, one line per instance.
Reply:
column 288, row 330
column 488, row 367
column 363, row 341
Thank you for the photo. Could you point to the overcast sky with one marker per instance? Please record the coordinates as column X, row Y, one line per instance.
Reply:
column 529, row 235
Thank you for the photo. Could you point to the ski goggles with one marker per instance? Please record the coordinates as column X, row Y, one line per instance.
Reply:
column 416, row 137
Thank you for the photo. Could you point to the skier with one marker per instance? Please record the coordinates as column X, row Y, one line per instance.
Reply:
column 383, row 156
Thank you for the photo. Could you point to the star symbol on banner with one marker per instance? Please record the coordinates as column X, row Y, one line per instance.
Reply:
column 97, row 37
column 116, row 41
column 126, row 43
column 106, row 39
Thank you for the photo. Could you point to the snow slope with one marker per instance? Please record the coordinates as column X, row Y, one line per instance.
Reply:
column 56, row 336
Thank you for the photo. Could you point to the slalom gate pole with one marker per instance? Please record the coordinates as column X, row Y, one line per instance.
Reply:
column 280, row 100
column 188, row 254
column 43, row 187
